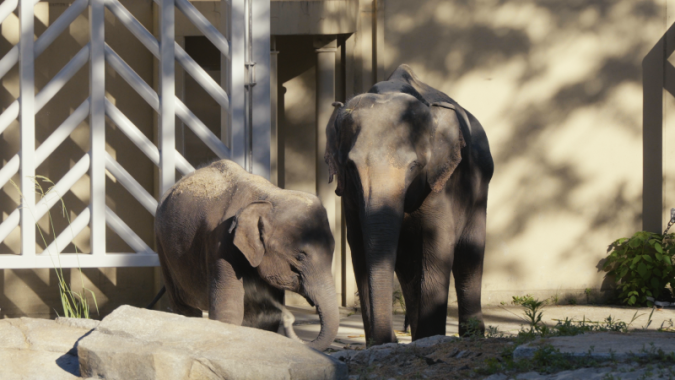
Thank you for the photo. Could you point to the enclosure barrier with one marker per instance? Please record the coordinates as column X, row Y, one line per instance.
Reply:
column 95, row 162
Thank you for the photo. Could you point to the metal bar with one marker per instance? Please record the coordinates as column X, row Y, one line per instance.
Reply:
column 69, row 260
column 201, row 130
column 61, row 133
column 9, row 60
column 97, row 126
column 237, row 82
column 167, row 114
column 27, row 120
column 61, row 188
column 59, row 25
column 67, row 236
column 201, row 77
column 126, row 233
column 260, row 109
column 9, row 169
column 10, row 114
column 198, row 19
column 129, row 183
column 61, row 78
column 6, row 8
column 134, row 80
column 132, row 132
column 134, row 26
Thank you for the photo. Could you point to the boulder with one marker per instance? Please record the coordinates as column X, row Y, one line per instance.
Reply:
column 133, row 343
column 36, row 349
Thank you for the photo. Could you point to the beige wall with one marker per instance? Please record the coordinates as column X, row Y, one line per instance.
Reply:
column 34, row 291
column 558, row 87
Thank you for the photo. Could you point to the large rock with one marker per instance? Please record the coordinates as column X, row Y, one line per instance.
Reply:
column 134, row 343
column 37, row 349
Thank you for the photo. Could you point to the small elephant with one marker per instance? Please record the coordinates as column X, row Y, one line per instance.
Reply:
column 229, row 242
column 413, row 169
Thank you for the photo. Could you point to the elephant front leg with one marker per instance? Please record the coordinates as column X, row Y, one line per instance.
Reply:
column 226, row 294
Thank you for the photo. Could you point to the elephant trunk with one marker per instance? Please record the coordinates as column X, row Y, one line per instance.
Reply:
column 381, row 224
column 324, row 297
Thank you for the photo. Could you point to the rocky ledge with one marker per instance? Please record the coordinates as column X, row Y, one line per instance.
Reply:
column 133, row 343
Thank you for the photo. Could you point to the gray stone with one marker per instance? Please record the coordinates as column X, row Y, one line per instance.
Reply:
column 529, row 376
column 133, row 343
column 37, row 365
column 38, row 349
column 81, row 323
column 432, row 341
column 604, row 345
column 462, row 354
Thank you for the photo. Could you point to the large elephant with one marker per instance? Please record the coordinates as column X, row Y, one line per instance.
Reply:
column 229, row 242
column 413, row 169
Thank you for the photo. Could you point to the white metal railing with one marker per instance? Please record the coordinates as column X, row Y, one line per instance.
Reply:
column 97, row 215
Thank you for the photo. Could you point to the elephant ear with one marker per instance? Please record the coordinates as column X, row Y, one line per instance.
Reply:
column 332, row 146
column 251, row 225
column 446, row 145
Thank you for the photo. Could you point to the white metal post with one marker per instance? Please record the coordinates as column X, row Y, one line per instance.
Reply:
column 237, row 81
column 261, row 107
column 167, row 87
column 27, row 120
column 97, row 126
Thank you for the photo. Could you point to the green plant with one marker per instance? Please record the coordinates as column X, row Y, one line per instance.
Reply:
column 642, row 266
column 519, row 300
column 471, row 328
column 533, row 313
column 74, row 304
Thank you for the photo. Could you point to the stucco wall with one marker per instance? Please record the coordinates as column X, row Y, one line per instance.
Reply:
column 558, row 87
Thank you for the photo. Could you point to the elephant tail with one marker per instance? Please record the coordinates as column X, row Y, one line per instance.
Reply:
column 157, row 297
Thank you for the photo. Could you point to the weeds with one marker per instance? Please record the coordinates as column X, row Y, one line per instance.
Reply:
column 74, row 304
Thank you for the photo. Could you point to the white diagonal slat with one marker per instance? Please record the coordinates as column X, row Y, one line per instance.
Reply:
column 129, row 183
column 61, row 78
column 49, row 145
column 134, row 26
column 198, row 19
column 6, row 8
column 183, row 165
column 49, row 200
column 126, row 233
column 9, row 60
column 61, row 133
column 66, row 237
column 132, row 78
column 204, row 79
column 10, row 114
column 201, row 130
column 59, row 25
column 61, row 187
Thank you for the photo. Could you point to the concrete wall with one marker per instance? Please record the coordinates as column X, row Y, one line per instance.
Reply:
column 558, row 88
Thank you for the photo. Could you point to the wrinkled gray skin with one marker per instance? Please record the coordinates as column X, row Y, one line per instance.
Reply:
column 413, row 170
column 229, row 241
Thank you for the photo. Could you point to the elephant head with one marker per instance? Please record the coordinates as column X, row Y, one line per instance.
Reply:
column 389, row 151
column 290, row 245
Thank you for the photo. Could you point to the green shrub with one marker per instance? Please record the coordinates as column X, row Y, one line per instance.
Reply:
column 642, row 266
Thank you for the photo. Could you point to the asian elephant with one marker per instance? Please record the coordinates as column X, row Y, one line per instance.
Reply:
column 229, row 242
column 413, row 169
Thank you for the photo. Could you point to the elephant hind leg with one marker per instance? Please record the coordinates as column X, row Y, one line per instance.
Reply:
column 468, row 272
column 177, row 303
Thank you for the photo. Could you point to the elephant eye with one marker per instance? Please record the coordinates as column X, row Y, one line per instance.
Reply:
column 300, row 256
column 414, row 165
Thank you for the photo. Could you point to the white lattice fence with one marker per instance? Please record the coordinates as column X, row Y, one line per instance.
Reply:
column 95, row 162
